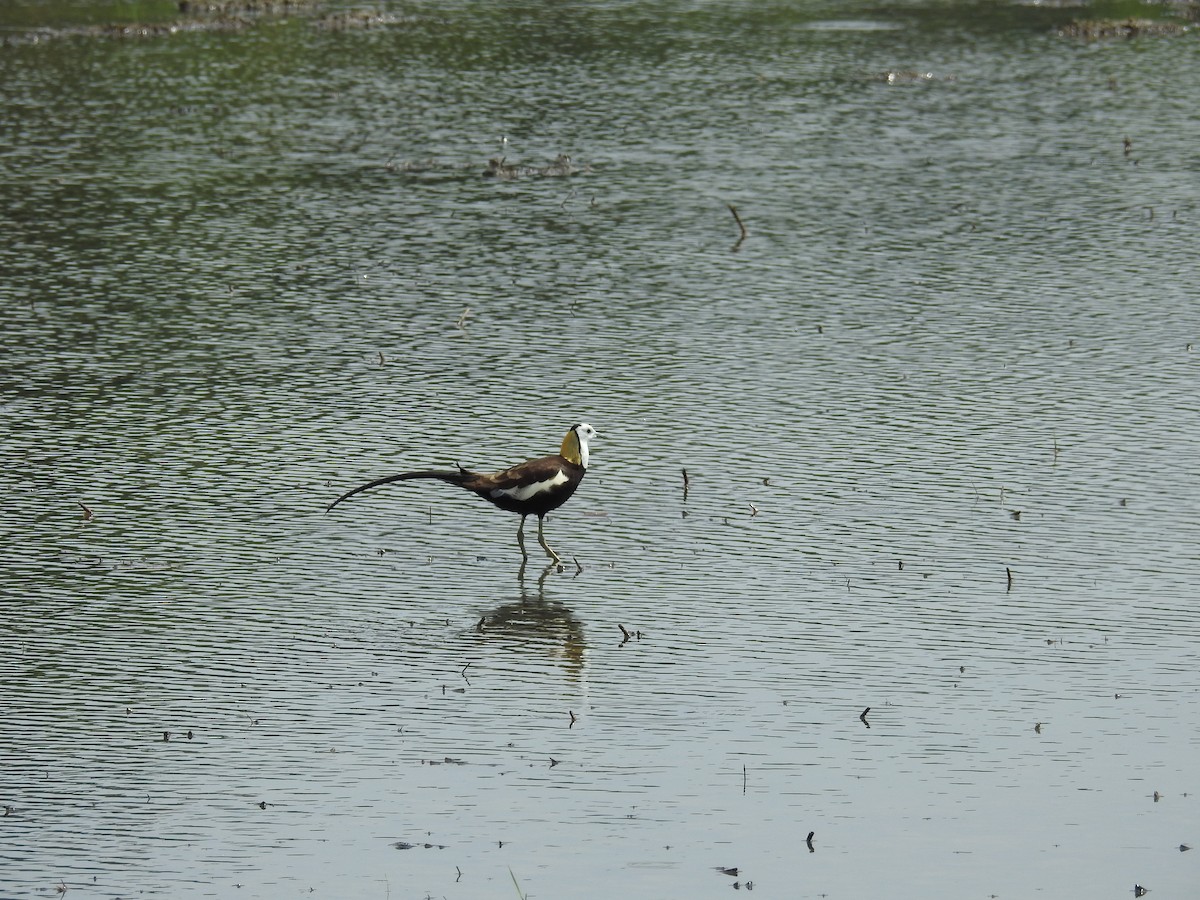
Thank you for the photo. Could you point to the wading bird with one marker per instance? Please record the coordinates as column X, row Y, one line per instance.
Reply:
column 534, row 487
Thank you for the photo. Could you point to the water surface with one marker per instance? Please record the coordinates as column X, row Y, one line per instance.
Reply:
column 937, row 411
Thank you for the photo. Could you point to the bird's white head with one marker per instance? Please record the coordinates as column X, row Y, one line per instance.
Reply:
column 575, row 444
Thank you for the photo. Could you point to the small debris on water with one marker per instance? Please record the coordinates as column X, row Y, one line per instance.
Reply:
column 741, row 225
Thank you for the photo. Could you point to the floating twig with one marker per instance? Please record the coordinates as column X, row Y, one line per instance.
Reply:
column 808, row 840
column 1008, row 572
column 741, row 225
column 862, row 717
column 87, row 513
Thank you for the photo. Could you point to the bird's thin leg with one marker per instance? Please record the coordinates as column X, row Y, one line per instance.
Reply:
column 521, row 538
column 542, row 540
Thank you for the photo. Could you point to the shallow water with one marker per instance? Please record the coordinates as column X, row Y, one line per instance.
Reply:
column 956, row 347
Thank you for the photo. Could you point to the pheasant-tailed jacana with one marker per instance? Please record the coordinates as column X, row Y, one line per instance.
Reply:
column 534, row 487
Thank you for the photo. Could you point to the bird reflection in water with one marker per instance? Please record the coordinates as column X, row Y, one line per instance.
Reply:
column 532, row 622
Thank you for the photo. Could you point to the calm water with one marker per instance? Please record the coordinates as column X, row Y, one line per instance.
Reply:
column 960, row 341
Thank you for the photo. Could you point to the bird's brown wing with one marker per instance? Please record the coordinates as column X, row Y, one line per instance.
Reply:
column 528, row 473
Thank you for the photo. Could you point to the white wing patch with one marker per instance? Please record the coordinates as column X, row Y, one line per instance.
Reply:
column 525, row 491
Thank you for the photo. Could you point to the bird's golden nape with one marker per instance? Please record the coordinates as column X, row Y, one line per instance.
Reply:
column 534, row 487
column 570, row 448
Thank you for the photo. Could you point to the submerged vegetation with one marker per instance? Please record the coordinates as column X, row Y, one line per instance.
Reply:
column 210, row 16
column 237, row 15
column 1103, row 29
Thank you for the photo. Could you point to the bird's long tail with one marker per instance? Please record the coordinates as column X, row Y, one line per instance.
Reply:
column 451, row 476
